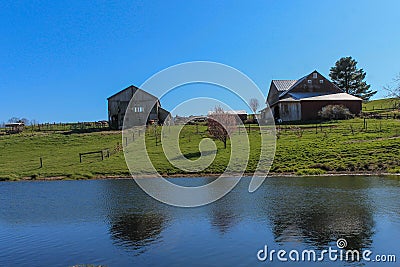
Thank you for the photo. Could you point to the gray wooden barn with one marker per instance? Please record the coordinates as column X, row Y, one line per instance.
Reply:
column 144, row 104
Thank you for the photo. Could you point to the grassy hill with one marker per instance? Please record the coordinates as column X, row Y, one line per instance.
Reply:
column 381, row 104
column 331, row 147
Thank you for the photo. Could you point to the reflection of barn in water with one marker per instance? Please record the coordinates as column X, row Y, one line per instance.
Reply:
column 135, row 231
column 133, row 223
column 345, row 213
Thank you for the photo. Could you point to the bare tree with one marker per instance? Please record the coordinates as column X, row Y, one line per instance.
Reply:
column 13, row 120
column 254, row 104
column 24, row 121
column 34, row 122
column 16, row 119
column 394, row 88
column 222, row 124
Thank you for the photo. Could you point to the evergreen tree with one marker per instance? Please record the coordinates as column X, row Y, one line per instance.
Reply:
column 349, row 78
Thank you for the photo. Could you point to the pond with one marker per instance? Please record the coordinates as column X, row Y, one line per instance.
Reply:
column 114, row 223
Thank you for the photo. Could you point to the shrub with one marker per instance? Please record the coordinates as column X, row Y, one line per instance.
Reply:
column 321, row 166
column 335, row 112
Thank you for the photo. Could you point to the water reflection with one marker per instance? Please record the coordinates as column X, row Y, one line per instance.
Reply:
column 318, row 212
column 223, row 216
column 133, row 216
column 312, row 211
column 114, row 223
column 136, row 231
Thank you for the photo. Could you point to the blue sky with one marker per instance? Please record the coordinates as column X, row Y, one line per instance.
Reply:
column 60, row 60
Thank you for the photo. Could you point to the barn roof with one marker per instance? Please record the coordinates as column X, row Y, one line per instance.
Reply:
column 130, row 88
column 293, row 85
column 14, row 124
column 164, row 110
column 317, row 96
column 283, row 85
column 289, row 99
column 303, row 95
column 283, row 93
column 326, row 96
column 232, row 112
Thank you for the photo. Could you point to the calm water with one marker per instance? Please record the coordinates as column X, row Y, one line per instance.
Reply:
column 112, row 222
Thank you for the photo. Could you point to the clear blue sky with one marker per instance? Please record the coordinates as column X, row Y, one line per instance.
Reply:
column 60, row 60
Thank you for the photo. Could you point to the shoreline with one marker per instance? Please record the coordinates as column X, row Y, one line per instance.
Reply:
column 198, row 175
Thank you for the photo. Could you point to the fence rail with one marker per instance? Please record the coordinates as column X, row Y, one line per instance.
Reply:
column 103, row 153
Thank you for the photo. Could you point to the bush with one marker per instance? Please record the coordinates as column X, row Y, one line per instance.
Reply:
column 335, row 112
column 324, row 167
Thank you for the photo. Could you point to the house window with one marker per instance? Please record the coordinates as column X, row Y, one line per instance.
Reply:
column 309, row 81
column 321, row 81
column 315, row 75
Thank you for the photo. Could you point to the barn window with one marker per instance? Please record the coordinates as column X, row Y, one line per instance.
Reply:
column 138, row 109
column 309, row 81
column 315, row 75
column 321, row 81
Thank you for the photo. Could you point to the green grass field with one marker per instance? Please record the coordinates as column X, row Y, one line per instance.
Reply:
column 331, row 147
column 381, row 105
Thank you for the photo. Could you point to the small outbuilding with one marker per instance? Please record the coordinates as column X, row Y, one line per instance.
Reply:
column 15, row 127
column 294, row 100
column 242, row 114
column 146, row 108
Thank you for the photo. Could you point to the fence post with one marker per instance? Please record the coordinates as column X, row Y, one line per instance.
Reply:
column 41, row 162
